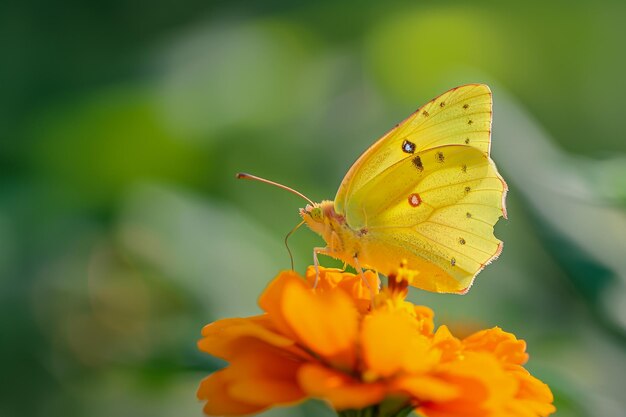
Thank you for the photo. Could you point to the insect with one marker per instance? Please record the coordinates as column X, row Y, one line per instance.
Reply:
column 426, row 195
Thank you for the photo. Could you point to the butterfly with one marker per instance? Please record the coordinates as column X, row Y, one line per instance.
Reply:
column 426, row 196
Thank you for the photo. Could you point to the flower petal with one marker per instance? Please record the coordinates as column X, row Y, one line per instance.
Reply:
column 505, row 346
column 342, row 391
column 214, row 389
column 260, row 376
column 391, row 342
column 326, row 323
column 272, row 299
column 361, row 292
column 426, row 388
column 264, row 375
column 533, row 398
column 425, row 316
column 483, row 384
column 223, row 337
column 449, row 345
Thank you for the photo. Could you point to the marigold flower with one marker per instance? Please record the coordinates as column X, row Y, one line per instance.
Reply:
column 359, row 348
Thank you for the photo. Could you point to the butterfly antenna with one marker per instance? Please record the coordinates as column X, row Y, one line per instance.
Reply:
column 287, row 243
column 244, row 176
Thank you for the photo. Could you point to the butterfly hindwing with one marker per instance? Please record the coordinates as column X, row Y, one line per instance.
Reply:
column 442, row 213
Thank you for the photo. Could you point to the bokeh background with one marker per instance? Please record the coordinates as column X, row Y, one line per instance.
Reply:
column 123, row 230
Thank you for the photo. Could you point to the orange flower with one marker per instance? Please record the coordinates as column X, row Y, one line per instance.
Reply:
column 336, row 343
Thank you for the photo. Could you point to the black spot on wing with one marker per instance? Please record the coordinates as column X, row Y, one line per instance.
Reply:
column 417, row 162
column 408, row 146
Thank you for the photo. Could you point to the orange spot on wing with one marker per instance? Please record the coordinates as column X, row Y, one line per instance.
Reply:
column 415, row 200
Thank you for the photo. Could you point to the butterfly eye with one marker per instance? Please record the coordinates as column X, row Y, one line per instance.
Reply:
column 316, row 214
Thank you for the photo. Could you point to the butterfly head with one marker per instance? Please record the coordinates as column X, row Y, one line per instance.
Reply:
column 319, row 216
column 316, row 214
column 312, row 214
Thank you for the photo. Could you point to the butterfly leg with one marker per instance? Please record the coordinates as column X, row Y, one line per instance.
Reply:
column 367, row 284
column 316, row 263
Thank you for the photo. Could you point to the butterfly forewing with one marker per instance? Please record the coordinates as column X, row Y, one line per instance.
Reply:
column 460, row 116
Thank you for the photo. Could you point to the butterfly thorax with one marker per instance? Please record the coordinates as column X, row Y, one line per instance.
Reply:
column 340, row 238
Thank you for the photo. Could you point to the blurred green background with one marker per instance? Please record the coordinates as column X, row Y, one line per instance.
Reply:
column 123, row 230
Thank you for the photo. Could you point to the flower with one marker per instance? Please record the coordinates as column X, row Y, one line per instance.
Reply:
column 359, row 348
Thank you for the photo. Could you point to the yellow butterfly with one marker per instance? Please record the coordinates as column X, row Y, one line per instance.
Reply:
column 426, row 194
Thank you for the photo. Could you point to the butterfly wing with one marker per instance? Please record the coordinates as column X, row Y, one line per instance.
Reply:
column 459, row 116
column 435, row 210
column 424, row 195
